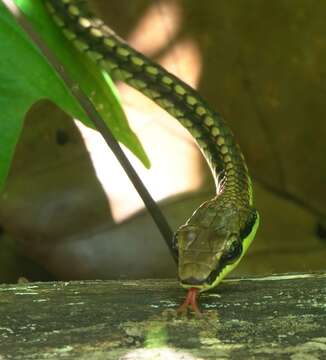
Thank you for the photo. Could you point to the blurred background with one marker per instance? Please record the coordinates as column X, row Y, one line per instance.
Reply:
column 69, row 212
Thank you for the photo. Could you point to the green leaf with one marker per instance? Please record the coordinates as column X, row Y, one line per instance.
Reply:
column 26, row 77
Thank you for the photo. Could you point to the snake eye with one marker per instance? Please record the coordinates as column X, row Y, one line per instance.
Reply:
column 233, row 252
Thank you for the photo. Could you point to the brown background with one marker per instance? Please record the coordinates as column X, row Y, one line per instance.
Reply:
column 264, row 70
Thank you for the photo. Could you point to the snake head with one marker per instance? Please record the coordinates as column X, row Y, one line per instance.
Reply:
column 212, row 243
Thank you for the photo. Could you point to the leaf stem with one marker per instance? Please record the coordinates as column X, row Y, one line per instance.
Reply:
column 99, row 124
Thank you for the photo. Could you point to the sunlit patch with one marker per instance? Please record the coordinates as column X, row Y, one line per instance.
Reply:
column 175, row 159
column 164, row 353
column 185, row 61
column 157, row 27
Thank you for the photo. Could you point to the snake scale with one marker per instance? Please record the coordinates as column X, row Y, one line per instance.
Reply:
column 216, row 236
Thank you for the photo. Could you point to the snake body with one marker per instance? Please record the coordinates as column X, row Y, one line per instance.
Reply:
column 216, row 236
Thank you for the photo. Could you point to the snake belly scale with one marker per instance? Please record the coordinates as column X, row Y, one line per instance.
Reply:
column 216, row 236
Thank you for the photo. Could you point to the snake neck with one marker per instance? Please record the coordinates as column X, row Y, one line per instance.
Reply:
column 216, row 141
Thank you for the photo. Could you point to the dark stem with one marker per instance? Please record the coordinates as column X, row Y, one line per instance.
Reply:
column 99, row 124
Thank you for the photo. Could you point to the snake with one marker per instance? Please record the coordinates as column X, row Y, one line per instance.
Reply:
column 216, row 236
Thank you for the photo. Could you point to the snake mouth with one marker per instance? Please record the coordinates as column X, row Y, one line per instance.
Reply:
column 197, row 275
column 204, row 283
column 193, row 282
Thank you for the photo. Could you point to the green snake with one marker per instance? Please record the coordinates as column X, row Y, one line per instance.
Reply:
column 217, row 235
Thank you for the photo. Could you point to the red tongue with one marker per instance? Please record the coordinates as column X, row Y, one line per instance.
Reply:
column 191, row 300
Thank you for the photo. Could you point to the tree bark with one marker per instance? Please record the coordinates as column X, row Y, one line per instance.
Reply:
column 281, row 316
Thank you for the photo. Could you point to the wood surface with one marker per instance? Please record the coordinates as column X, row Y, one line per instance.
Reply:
column 281, row 316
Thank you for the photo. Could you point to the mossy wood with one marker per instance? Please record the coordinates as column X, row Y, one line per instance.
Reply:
column 262, row 318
